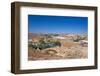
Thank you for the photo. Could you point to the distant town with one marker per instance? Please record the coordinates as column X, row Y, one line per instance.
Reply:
column 49, row 46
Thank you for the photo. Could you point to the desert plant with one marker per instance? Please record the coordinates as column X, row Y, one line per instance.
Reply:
column 77, row 38
column 57, row 43
column 41, row 41
column 34, row 46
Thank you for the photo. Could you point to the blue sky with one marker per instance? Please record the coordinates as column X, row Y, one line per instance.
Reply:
column 57, row 24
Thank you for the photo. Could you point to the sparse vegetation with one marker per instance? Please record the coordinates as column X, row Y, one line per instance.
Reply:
column 44, row 47
column 42, row 44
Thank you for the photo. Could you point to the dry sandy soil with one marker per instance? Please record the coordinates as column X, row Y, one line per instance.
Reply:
column 68, row 50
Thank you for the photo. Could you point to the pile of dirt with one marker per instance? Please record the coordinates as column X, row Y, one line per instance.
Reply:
column 72, row 52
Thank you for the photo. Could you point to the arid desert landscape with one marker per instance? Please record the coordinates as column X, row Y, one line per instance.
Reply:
column 57, row 46
column 52, row 37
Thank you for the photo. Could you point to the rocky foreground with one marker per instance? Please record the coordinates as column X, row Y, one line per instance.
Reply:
column 74, row 52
